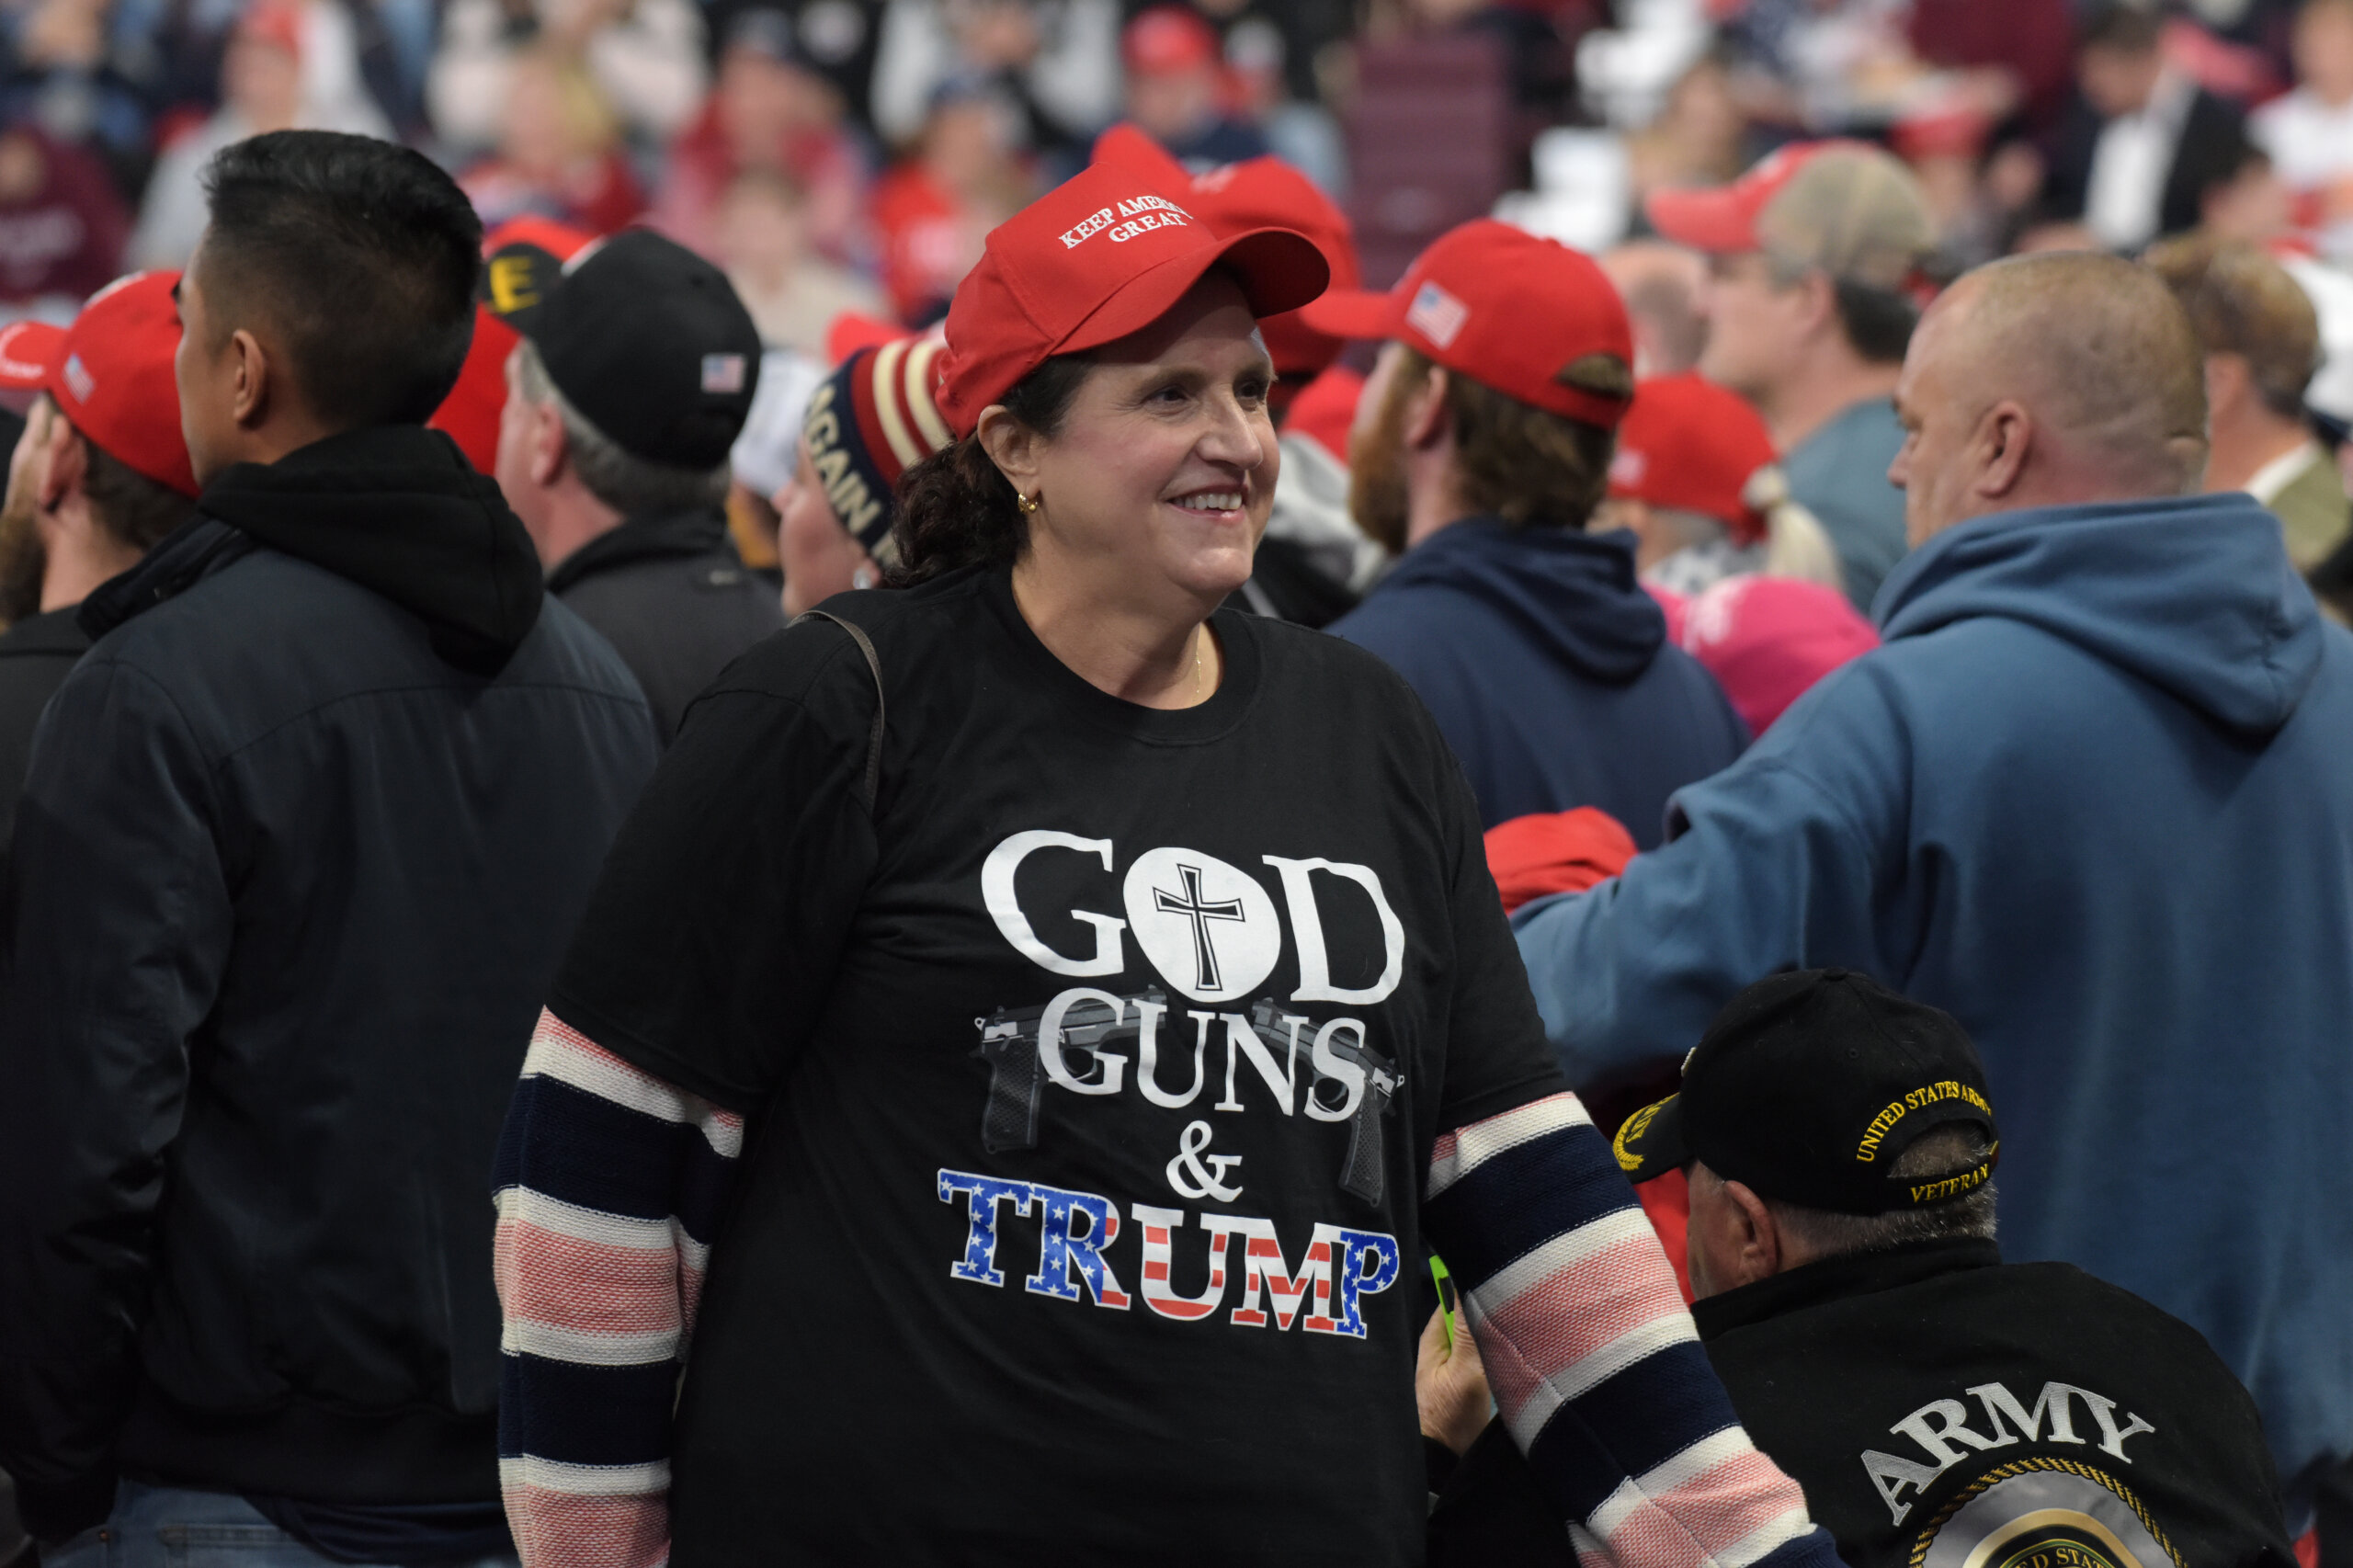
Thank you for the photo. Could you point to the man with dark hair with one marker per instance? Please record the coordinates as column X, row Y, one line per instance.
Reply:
column 2094, row 796
column 99, row 476
column 637, row 368
column 353, row 260
column 1935, row 1403
column 303, row 835
column 2143, row 142
column 1481, row 449
column 2262, row 341
column 1812, row 254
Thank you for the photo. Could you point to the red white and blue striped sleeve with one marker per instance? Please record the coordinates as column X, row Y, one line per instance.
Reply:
column 1596, row 1369
column 609, row 1186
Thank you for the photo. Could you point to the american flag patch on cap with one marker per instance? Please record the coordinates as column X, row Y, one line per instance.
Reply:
column 78, row 377
column 722, row 372
column 1437, row 315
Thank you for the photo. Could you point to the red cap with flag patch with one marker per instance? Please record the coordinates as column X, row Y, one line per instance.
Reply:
column 110, row 373
column 1104, row 255
column 1257, row 193
column 1504, row 307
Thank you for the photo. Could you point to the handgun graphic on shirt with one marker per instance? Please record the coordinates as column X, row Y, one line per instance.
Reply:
column 1017, row 1078
column 1364, row 1168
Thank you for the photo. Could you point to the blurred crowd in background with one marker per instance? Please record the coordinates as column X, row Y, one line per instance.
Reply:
column 849, row 154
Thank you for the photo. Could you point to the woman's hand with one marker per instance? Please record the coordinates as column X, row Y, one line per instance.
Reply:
column 1450, row 1386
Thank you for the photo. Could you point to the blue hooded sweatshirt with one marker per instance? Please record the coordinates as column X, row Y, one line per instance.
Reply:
column 2093, row 797
column 1549, row 671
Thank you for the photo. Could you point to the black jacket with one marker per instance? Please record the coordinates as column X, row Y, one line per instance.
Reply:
column 2214, row 137
column 674, row 597
column 34, row 656
column 1928, row 1396
column 305, row 834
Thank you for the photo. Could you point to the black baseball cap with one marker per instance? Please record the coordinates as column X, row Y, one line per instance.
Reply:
column 1809, row 1086
column 648, row 340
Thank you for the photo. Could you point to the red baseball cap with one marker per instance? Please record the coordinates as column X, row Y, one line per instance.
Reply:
column 1168, row 38
column 1690, row 444
column 470, row 414
column 560, row 239
column 1102, row 255
column 1503, row 307
column 276, row 23
column 1847, row 206
column 1257, row 193
column 854, row 330
column 110, row 373
column 522, row 256
column 1325, row 409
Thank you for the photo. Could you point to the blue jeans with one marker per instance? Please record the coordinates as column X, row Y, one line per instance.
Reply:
column 160, row 1527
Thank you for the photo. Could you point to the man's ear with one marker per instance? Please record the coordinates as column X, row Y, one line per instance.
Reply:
column 1818, row 308
column 550, row 448
column 1427, row 415
column 1013, row 447
column 2227, row 380
column 1758, row 1247
column 2004, row 442
column 1622, row 512
column 251, row 386
column 65, row 460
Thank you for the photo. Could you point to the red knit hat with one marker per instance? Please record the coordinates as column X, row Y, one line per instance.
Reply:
column 1535, row 857
column 1503, row 307
column 110, row 373
column 1102, row 255
column 1257, row 193
column 1692, row 445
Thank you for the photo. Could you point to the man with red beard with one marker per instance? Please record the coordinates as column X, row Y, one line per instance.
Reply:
column 1480, row 451
column 100, row 475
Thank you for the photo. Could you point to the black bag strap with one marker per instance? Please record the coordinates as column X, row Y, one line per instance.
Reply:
column 874, row 665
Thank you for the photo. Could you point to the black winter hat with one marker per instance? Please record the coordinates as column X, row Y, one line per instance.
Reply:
column 1808, row 1087
column 649, row 341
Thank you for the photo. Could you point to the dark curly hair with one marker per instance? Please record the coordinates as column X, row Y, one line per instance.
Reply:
column 956, row 508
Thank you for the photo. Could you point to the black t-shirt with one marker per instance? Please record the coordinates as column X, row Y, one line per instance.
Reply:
column 1096, row 990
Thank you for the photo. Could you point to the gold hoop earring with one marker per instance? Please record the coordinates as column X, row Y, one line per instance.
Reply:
column 1026, row 505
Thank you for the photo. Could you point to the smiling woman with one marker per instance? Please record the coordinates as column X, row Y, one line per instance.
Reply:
column 1126, row 488
column 1060, row 1097
column 1109, row 389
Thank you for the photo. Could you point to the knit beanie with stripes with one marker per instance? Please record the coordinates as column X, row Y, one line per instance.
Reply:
column 869, row 422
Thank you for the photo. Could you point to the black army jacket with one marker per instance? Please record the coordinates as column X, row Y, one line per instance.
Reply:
column 1943, row 1408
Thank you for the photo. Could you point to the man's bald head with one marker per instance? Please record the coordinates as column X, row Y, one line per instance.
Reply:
column 2042, row 380
column 2100, row 349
